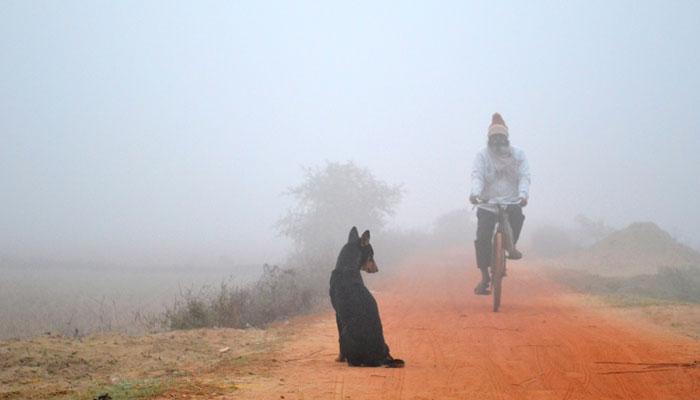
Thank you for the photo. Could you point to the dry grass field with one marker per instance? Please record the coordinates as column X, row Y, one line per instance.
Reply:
column 81, row 301
column 129, row 367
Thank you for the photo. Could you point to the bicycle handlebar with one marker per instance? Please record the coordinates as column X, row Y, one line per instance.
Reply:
column 480, row 201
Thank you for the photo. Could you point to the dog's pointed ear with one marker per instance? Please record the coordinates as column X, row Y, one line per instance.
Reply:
column 365, row 238
column 353, row 237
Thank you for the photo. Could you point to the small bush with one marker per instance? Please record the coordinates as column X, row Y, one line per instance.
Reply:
column 193, row 312
column 278, row 294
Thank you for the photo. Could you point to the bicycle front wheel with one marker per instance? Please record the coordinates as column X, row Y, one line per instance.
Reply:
column 498, row 269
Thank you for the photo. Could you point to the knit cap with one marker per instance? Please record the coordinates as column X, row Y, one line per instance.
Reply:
column 498, row 125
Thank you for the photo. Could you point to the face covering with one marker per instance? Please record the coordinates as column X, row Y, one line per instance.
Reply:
column 500, row 145
column 502, row 149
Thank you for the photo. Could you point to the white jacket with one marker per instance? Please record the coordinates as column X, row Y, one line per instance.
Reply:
column 500, row 182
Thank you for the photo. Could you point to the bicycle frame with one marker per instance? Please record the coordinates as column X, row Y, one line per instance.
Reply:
column 503, row 226
column 502, row 240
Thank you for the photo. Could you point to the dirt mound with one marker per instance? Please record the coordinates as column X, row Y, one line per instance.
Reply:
column 641, row 248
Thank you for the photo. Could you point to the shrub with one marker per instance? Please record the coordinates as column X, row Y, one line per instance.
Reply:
column 278, row 294
column 329, row 202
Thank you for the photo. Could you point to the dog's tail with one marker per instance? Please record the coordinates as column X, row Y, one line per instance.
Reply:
column 391, row 362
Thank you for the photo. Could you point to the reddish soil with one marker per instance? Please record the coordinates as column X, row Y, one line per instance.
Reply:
column 539, row 346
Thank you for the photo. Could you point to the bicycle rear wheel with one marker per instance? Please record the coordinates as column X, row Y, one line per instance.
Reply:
column 498, row 269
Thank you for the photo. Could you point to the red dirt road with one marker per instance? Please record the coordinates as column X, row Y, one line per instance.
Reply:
column 540, row 346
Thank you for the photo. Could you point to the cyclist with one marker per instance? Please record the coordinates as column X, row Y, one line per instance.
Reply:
column 500, row 175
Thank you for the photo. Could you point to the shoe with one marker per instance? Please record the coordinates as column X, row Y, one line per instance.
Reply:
column 482, row 289
column 515, row 254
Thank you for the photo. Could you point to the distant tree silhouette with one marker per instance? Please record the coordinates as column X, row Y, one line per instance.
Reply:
column 329, row 202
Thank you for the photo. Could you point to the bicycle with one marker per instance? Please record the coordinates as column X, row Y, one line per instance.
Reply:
column 502, row 240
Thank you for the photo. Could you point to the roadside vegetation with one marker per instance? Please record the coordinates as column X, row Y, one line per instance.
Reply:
column 192, row 363
column 328, row 203
column 669, row 285
column 278, row 294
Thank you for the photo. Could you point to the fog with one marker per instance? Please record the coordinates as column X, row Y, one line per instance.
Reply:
column 163, row 133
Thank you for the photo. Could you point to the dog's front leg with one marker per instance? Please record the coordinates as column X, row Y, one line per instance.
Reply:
column 341, row 356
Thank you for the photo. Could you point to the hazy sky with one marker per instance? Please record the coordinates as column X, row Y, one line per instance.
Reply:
column 166, row 132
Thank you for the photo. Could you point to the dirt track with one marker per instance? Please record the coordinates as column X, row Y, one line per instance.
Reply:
column 539, row 346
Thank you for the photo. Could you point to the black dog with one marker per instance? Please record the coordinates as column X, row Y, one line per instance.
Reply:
column 359, row 326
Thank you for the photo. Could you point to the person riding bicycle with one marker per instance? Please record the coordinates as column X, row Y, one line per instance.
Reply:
column 500, row 175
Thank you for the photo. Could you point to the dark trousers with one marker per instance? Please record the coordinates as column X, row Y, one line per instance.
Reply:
column 485, row 230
